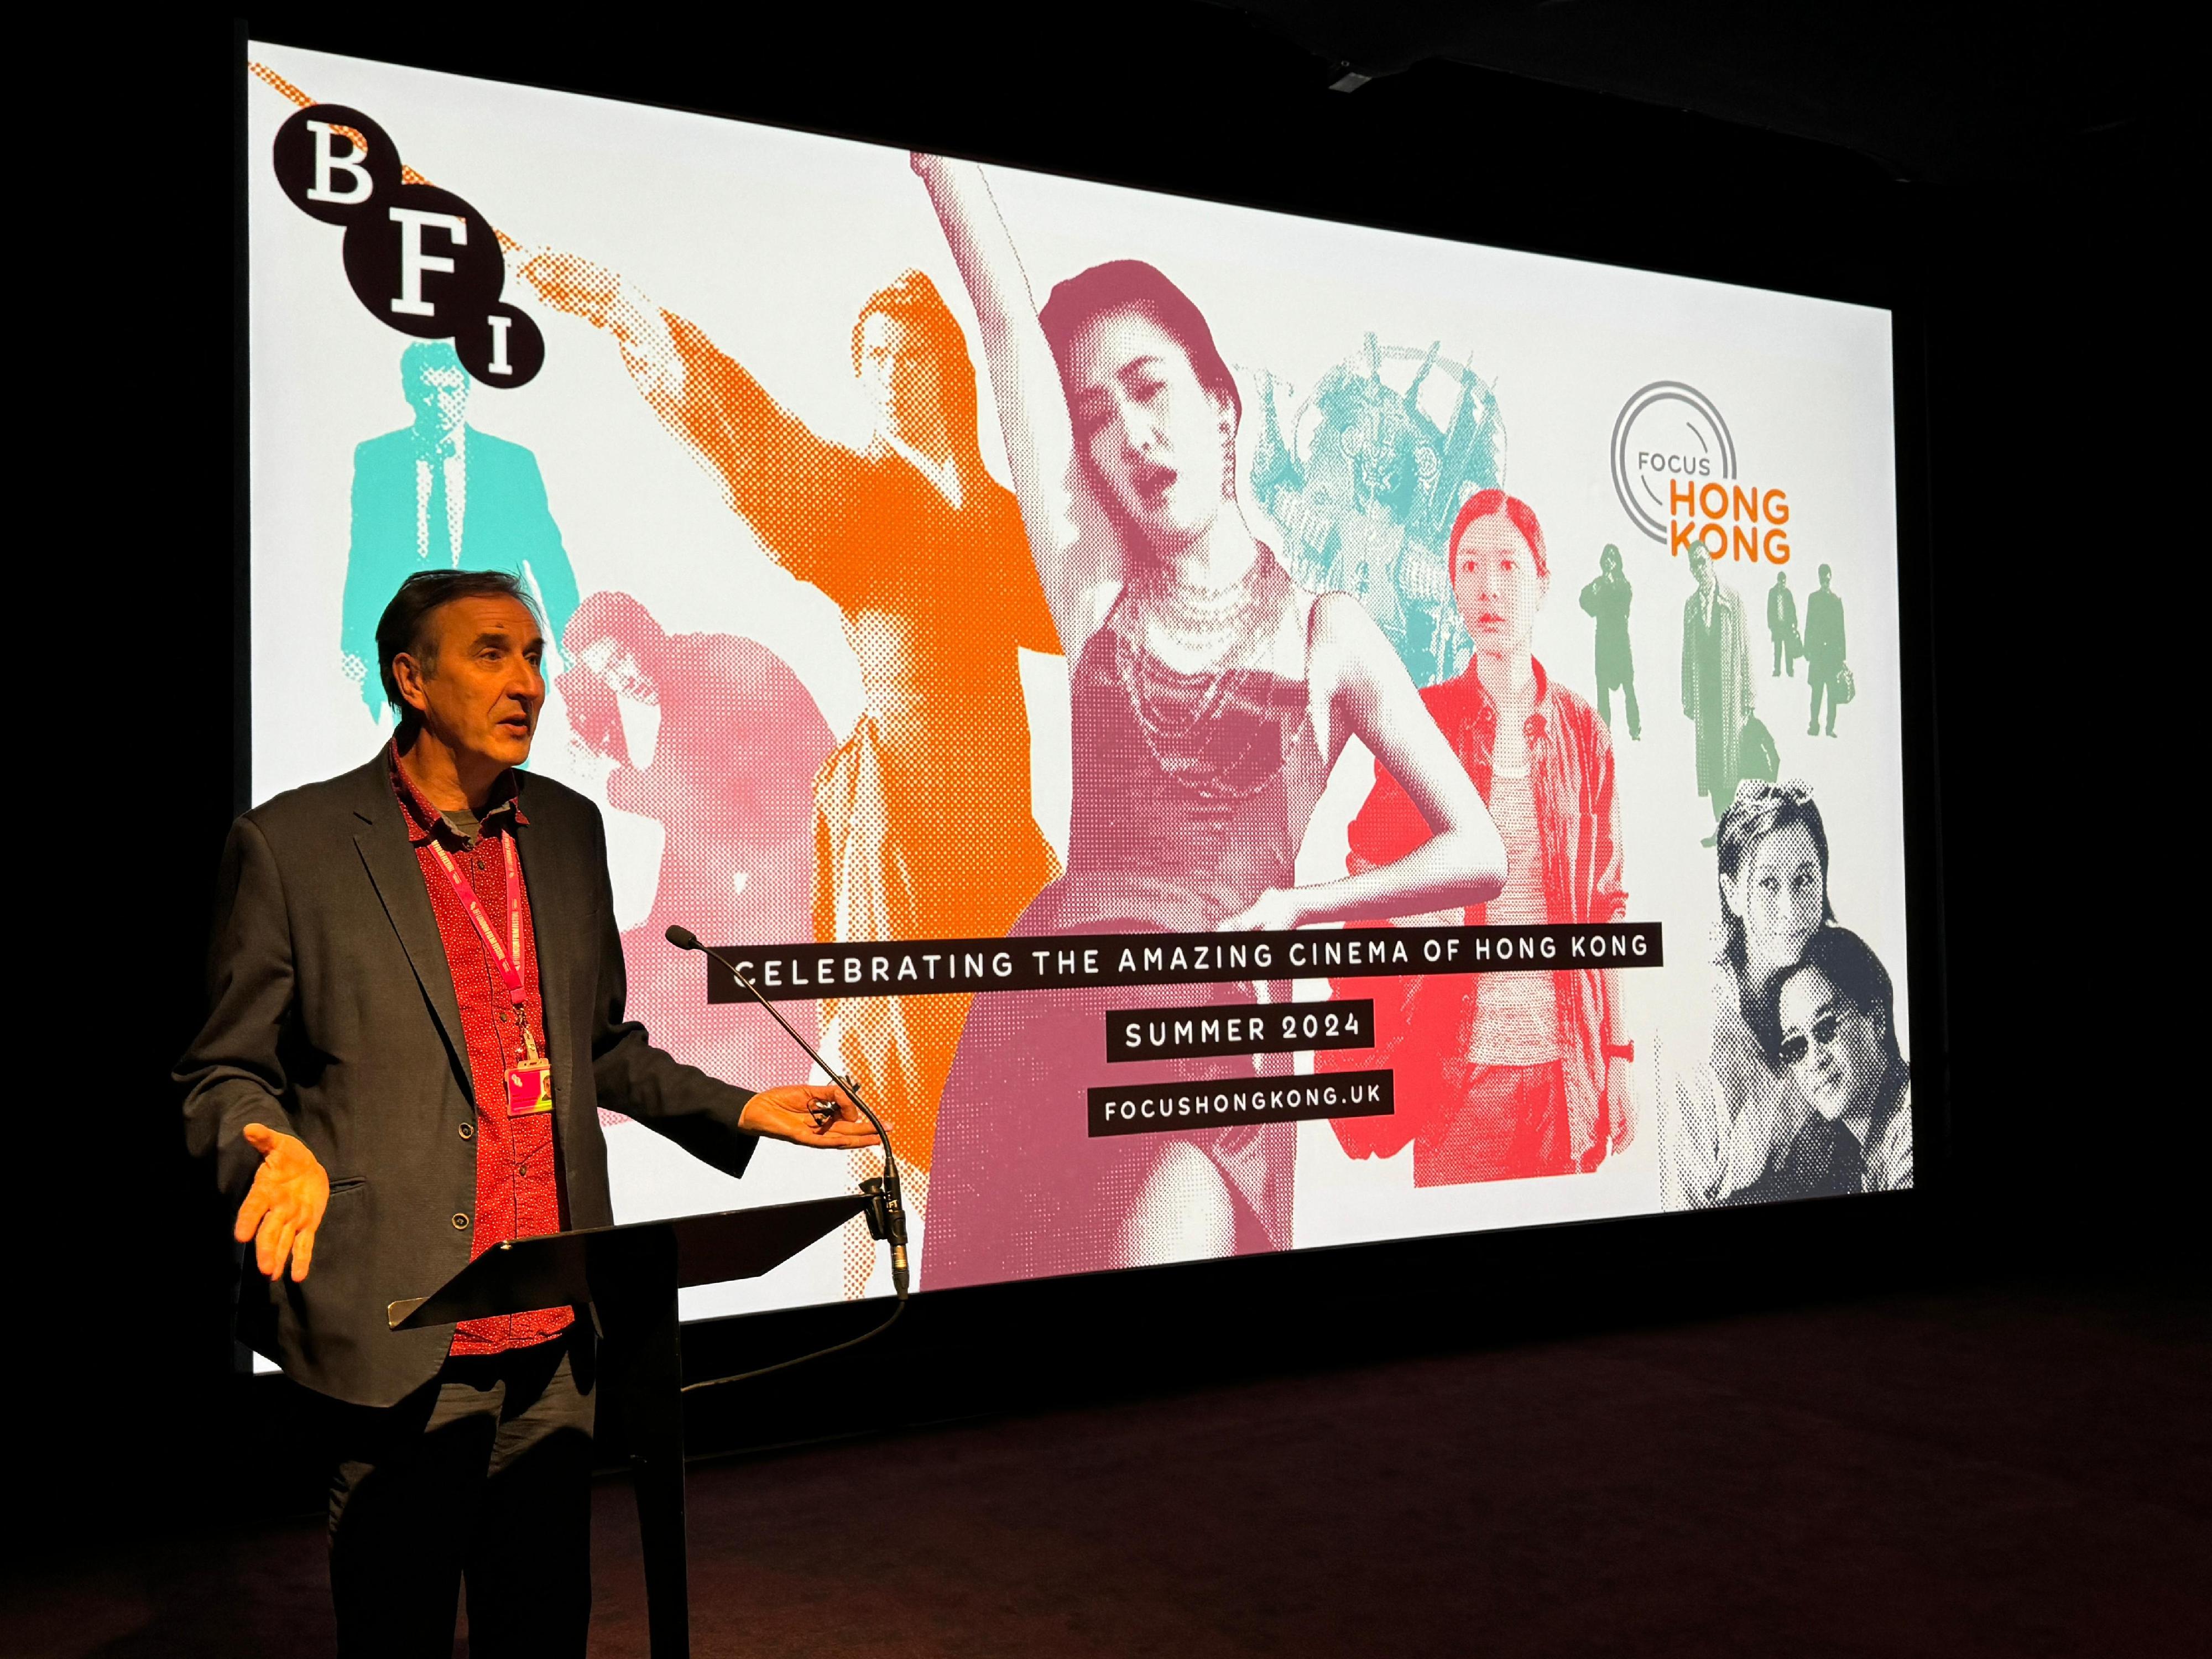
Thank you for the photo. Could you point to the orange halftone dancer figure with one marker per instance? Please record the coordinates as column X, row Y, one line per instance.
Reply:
column 923, row 826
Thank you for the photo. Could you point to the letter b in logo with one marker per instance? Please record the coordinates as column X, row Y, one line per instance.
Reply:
column 336, row 164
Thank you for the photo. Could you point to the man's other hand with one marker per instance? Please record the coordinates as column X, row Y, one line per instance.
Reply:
column 806, row 1114
column 281, row 1212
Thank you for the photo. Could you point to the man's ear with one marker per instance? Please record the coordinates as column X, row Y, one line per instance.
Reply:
column 1732, row 895
column 407, row 674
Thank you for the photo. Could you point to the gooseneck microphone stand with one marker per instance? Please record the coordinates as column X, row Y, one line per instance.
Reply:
column 886, row 1210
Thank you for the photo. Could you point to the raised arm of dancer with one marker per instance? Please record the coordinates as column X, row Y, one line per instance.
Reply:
column 1079, row 567
column 1365, row 690
column 791, row 486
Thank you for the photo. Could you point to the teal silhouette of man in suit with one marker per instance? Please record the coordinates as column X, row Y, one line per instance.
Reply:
column 440, row 495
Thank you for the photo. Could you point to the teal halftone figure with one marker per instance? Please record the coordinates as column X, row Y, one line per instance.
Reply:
column 1364, row 478
column 439, row 495
column 1607, row 598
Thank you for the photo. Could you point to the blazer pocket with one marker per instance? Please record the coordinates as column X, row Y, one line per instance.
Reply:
column 350, row 1184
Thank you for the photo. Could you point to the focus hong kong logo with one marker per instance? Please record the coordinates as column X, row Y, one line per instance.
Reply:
column 1674, row 469
column 420, row 258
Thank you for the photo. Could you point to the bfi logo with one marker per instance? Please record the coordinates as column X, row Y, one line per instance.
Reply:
column 418, row 258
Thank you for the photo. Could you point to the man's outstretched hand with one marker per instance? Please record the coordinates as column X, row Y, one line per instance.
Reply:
column 576, row 286
column 806, row 1114
column 281, row 1212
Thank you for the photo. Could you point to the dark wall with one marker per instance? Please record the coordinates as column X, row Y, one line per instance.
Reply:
column 2064, row 625
column 2041, row 316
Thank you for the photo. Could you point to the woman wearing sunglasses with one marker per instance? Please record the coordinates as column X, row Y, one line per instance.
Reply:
column 1831, row 1022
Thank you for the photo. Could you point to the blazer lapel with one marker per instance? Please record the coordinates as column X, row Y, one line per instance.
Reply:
column 382, row 843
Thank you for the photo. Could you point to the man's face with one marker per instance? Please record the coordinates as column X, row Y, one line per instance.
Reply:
column 1702, row 568
column 637, row 700
column 440, row 397
column 1832, row 1047
column 480, row 689
column 900, row 374
column 615, row 664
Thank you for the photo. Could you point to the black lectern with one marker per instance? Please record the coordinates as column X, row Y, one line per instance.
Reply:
column 630, row 1275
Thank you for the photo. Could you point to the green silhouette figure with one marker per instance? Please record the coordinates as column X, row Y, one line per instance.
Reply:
column 1607, row 598
column 1782, row 626
column 440, row 495
column 1824, row 650
column 1364, row 478
column 1717, row 690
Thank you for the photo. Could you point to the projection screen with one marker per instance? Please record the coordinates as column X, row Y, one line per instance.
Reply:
column 1239, row 732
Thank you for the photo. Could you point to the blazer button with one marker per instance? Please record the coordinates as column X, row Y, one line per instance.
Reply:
column 460, row 1223
column 468, row 1132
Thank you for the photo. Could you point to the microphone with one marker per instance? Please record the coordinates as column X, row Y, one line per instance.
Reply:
column 886, row 1206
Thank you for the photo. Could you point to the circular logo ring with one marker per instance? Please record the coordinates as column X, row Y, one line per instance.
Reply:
column 1624, row 482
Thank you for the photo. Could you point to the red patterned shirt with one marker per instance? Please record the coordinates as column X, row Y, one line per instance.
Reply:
column 518, row 1187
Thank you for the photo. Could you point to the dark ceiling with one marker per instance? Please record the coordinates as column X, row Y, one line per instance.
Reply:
column 1557, row 125
column 1946, row 93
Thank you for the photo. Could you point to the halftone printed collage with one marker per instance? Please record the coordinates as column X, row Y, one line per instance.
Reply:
column 932, row 552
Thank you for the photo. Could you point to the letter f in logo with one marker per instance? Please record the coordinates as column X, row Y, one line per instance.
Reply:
column 413, row 261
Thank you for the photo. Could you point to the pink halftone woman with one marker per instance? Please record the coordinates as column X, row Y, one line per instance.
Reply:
column 1210, row 696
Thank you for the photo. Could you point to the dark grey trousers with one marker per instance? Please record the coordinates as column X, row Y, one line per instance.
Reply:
column 482, row 1475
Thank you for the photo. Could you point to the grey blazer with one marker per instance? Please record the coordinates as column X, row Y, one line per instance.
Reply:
column 332, row 1017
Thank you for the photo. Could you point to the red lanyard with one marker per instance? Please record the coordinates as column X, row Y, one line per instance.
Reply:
column 506, row 956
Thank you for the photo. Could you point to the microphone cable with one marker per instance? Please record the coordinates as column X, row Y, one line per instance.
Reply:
column 897, row 1308
column 886, row 1211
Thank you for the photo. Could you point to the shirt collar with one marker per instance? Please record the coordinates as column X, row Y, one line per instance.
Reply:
column 424, row 820
column 1540, row 706
column 451, row 445
column 945, row 475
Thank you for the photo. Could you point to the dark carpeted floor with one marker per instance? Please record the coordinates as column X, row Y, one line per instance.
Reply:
column 2020, row 1470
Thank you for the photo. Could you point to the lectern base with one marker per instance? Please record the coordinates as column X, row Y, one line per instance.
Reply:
column 630, row 1275
column 641, row 1367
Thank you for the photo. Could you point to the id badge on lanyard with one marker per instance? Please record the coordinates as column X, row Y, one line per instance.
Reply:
column 530, row 1079
column 529, row 1087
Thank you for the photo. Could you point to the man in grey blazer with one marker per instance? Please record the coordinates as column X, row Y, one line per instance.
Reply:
column 416, row 1008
